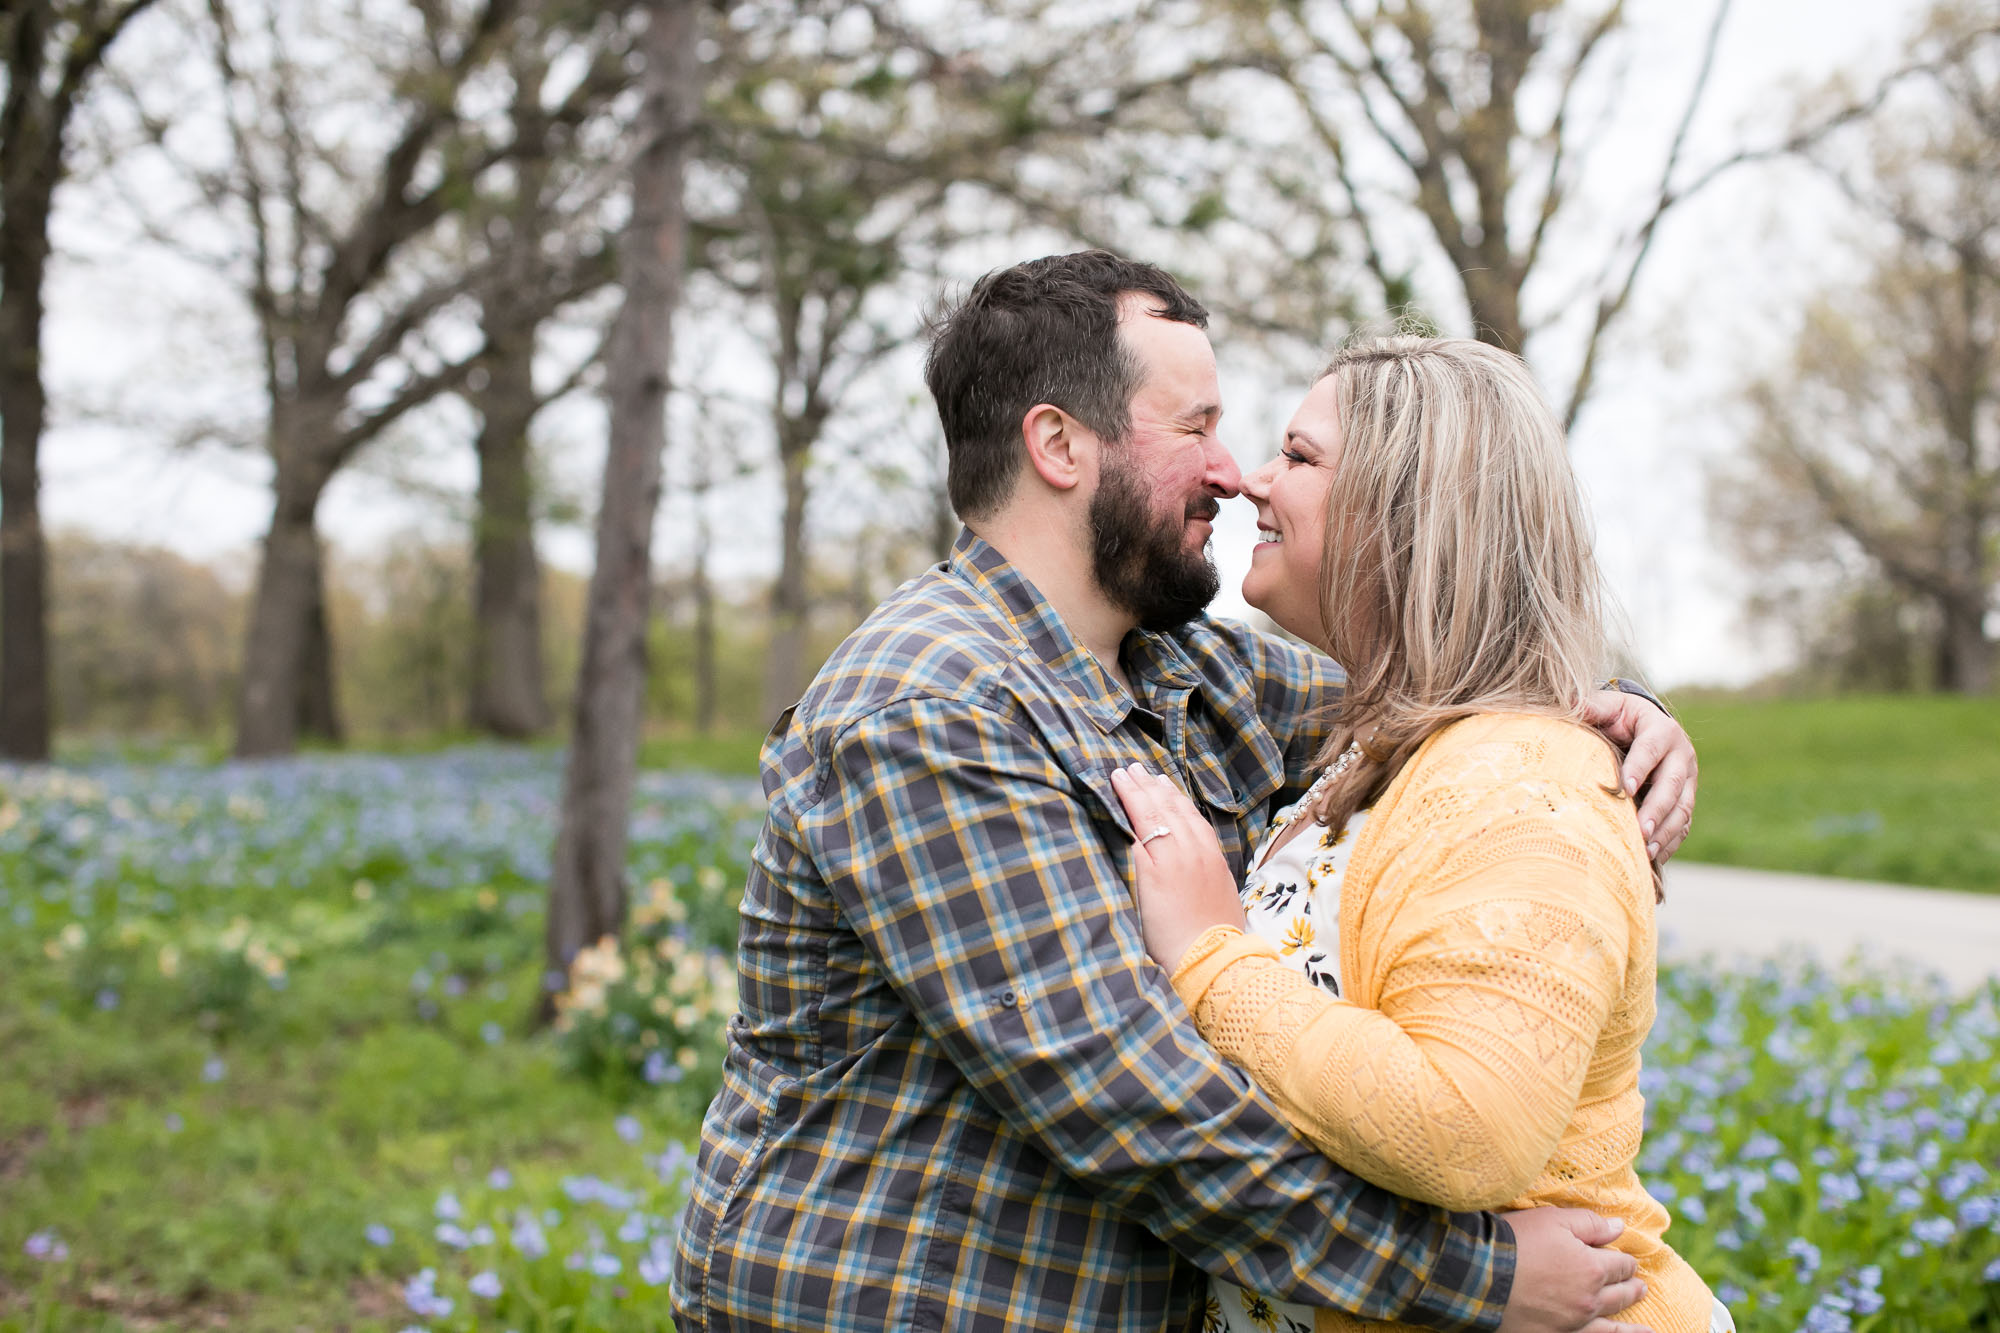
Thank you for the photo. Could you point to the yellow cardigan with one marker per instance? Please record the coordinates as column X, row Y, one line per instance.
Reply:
column 1497, row 963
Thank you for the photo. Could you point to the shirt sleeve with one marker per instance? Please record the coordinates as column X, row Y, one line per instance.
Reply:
column 972, row 868
column 1458, row 1089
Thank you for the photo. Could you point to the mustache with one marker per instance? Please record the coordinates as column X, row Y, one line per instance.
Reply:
column 1204, row 507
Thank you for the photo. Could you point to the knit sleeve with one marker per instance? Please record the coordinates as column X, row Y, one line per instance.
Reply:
column 1507, row 954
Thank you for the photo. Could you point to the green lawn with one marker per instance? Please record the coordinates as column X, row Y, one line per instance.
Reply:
column 1901, row 789
column 267, row 1064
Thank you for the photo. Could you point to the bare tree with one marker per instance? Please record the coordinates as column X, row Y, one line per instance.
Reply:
column 701, row 587
column 342, row 302
column 1460, row 118
column 545, row 231
column 846, row 146
column 1879, row 444
column 827, row 199
column 587, row 893
column 52, row 49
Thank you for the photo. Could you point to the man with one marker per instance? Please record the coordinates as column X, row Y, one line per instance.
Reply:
column 959, row 1096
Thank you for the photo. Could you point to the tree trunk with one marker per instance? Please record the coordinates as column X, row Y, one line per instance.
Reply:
column 318, row 710
column 1965, row 654
column 509, row 695
column 30, row 160
column 287, row 614
column 785, row 670
column 1493, row 295
column 587, row 885
column 24, row 627
column 706, row 701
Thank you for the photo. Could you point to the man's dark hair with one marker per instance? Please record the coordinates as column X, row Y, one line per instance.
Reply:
column 1041, row 332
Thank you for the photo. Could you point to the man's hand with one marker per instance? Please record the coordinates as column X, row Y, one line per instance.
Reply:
column 1658, row 757
column 1564, row 1283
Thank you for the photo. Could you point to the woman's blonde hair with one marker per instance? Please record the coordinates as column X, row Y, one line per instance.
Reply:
column 1458, row 576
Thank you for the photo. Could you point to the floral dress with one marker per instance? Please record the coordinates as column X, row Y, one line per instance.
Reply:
column 1291, row 897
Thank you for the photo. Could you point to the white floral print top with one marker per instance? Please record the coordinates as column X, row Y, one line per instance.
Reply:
column 1291, row 897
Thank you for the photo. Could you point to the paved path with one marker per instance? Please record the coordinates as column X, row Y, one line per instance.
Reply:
column 1737, row 914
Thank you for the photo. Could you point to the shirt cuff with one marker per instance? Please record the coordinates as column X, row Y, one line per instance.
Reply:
column 1625, row 685
column 1214, row 951
column 1469, row 1287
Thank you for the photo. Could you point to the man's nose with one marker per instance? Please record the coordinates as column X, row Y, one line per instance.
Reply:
column 1222, row 474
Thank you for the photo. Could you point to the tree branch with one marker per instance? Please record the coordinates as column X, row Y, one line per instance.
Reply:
column 1609, row 308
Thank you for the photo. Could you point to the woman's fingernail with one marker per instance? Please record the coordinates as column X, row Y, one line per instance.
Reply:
column 1646, row 827
column 1631, row 786
column 1652, row 851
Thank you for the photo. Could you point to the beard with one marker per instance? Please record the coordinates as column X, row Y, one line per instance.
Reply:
column 1141, row 562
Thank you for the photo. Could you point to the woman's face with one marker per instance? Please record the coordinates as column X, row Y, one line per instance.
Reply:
column 1290, row 494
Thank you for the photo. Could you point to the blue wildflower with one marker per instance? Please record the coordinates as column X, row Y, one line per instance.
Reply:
column 628, row 1128
column 377, row 1234
column 46, row 1245
column 1837, row 1191
column 657, row 1264
column 1760, row 1147
column 1829, row 1314
column 420, row 1294
column 1992, row 1273
column 485, row 1285
column 213, row 1069
column 1933, row 1230
column 499, row 1178
column 447, row 1207
column 528, row 1237
column 1805, row 1255
column 491, row 1033
column 1961, row 1178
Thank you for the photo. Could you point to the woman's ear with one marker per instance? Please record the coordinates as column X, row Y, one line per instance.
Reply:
column 1061, row 450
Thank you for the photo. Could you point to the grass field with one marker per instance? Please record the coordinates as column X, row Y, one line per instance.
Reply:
column 268, row 1062
column 1900, row 789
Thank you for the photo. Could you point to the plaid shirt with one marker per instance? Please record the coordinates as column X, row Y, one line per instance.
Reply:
column 959, row 1096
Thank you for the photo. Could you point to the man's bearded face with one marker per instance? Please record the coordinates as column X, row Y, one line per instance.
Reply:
column 1140, row 557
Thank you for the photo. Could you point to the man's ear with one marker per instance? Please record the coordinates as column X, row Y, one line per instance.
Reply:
column 1061, row 450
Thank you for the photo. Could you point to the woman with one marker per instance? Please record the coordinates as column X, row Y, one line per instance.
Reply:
column 1448, row 966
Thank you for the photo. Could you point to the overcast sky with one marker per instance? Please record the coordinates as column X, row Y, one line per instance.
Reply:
column 125, row 327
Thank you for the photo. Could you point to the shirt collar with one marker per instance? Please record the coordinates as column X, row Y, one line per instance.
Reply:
column 1150, row 659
